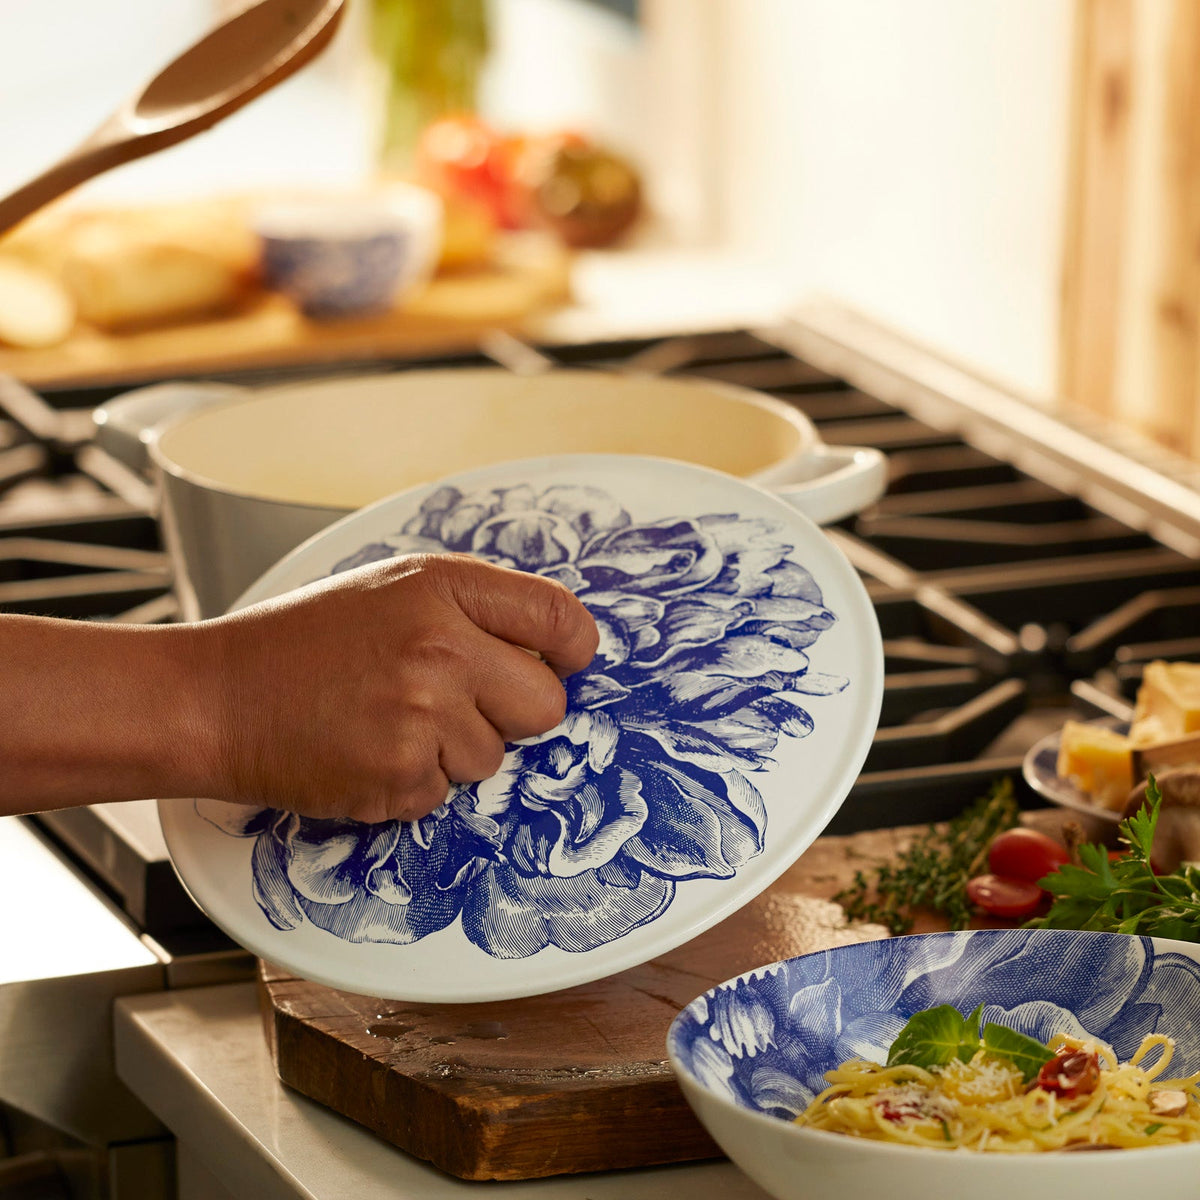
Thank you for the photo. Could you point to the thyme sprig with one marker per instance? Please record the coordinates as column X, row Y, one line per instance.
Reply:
column 933, row 872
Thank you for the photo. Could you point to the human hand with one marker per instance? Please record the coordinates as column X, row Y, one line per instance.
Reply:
column 367, row 694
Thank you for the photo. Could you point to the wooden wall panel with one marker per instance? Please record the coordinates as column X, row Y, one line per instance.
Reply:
column 1096, row 201
column 1130, row 334
column 1173, row 414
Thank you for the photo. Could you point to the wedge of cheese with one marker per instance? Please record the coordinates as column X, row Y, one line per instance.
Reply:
column 1099, row 762
column 1168, row 702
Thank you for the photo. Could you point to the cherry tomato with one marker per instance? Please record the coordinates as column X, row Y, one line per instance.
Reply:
column 1002, row 896
column 462, row 156
column 1025, row 854
column 1070, row 1072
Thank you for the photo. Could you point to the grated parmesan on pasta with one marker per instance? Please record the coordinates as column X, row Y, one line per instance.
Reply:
column 985, row 1105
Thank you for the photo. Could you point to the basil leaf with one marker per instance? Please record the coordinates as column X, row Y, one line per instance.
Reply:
column 970, row 1037
column 1025, row 1053
column 931, row 1037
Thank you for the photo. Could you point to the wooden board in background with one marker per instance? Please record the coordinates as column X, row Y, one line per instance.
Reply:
column 453, row 313
column 572, row 1081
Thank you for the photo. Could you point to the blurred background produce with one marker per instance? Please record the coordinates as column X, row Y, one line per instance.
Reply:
column 400, row 94
column 585, row 194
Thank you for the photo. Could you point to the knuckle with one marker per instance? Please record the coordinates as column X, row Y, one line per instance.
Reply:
column 422, row 700
column 559, row 609
column 399, row 567
column 427, row 796
column 393, row 789
column 591, row 636
column 566, row 621
column 374, row 809
column 448, row 568
column 435, row 643
column 407, row 769
column 407, row 794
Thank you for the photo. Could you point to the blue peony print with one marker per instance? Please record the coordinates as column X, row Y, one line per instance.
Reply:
column 586, row 832
column 765, row 1040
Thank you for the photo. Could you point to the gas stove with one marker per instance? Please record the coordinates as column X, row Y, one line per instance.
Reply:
column 1004, row 599
column 1017, row 577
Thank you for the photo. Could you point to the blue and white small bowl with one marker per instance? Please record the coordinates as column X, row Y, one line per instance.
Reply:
column 343, row 256
column 752, row 1052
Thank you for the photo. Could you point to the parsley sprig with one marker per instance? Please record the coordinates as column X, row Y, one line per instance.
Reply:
column 1125, row 895
column 933, row 872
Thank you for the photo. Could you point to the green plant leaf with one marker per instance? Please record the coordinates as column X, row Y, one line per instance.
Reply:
column 1125, row 895
column 1137, row 831
column 931, row 1038
column 1025, row 1053
column 971, row 1034
column 934, row 870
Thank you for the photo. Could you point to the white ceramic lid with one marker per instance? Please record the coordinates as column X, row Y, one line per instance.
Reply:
column 720, row 727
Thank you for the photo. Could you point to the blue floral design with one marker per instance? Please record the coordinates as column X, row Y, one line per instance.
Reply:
column 765, row 1040
column 586, row 832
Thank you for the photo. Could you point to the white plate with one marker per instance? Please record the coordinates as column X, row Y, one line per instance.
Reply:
column 736, row 796
column 1040, row 769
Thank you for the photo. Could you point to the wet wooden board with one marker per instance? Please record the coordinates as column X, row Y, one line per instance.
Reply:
column 573, row 1081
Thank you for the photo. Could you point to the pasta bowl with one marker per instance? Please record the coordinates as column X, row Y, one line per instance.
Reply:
column 751, row 1053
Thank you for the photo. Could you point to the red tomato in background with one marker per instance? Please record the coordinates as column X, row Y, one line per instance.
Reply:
column 1001, row 896
column 1025, row 854
column 462, row 156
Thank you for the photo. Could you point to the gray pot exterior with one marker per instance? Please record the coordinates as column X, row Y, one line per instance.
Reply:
column 220, row 543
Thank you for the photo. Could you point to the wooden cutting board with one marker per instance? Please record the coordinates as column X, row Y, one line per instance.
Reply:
column 573, row 1081
column 454, row 312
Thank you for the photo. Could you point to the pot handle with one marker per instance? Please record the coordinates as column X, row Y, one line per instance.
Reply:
column 835, row 482
column 128, row 423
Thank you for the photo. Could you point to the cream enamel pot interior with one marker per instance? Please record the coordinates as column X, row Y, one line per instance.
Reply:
column 247, row 476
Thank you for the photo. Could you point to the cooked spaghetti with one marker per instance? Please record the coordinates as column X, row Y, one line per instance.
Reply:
column 1083, row 1098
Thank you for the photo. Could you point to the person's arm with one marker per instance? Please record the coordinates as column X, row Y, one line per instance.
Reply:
column 364, row 695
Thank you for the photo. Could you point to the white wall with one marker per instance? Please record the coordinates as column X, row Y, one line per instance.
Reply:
column 908, row 157
column 564, row 64
column 66, row 64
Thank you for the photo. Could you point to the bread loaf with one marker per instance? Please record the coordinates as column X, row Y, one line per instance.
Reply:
column 35, row 309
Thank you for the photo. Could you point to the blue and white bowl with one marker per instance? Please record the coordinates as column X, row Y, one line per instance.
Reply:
column 752, row 1052
column 344, row 256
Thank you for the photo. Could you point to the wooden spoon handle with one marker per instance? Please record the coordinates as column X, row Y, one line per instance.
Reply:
column 96, row 155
